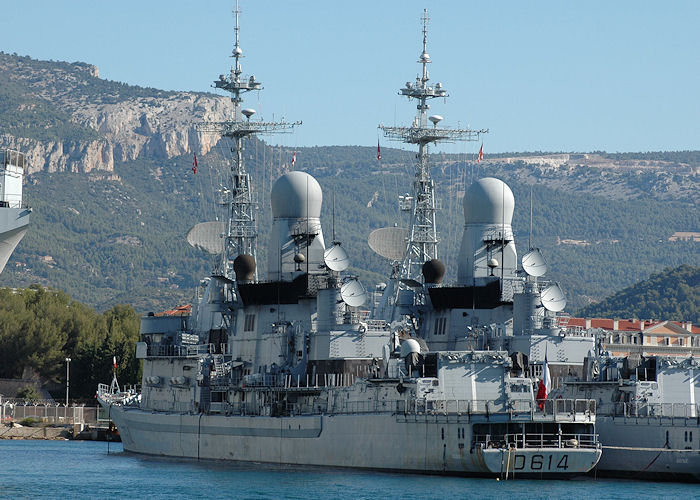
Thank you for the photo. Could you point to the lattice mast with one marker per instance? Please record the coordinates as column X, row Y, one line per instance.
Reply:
column 237, row 197
column 423, row 240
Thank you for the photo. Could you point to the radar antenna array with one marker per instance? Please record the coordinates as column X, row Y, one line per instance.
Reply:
column 336, row 258
column 353, row 293
column 241, row 231
column 422, row 241
column 553, row 298
column 534, row 263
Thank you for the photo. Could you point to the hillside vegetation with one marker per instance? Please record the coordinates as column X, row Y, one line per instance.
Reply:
column 673, row 294
column 40, row 328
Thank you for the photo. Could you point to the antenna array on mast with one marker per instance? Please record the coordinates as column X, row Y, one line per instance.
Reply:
column 423, row 240
column 241, row 229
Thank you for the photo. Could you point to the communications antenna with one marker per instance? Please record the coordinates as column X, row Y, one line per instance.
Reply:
column 422, row 243
column 241, row 228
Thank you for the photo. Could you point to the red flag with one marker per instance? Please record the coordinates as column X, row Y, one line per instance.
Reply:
column 379, row 152
column 294, row 158
column 545, row 384
column 481, row 153
column 194, row 163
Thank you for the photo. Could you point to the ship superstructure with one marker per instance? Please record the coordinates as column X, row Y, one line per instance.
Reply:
column 14, row 214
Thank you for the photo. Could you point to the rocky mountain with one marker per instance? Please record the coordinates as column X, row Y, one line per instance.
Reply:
column 65, row 118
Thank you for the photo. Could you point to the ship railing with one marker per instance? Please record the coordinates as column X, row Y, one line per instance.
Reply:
column 12, row 204
column 650, row 410
column 557, row 409
column 536, row 440
column 180, row 351
column 306, row 381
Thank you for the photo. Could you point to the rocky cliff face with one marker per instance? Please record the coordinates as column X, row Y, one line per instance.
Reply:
column 120, row 122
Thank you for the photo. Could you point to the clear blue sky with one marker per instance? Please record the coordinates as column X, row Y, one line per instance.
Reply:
column 541, row 75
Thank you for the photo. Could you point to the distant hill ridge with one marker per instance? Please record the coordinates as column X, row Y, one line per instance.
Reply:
column 672, row 294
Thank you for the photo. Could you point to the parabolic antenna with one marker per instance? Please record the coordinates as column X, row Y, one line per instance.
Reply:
column 553, row 298
column 336, row 258
column 389, row 242
column 353, row 293
column 534, row 264
column 207, row 236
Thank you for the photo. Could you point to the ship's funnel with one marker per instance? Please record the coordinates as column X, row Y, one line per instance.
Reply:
column 296, row 199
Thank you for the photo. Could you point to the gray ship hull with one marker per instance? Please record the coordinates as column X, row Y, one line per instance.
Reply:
column 642, row 447
column 429, row 444
column 13, row 227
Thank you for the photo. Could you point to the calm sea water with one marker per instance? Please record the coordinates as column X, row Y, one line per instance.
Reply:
column 81, row 469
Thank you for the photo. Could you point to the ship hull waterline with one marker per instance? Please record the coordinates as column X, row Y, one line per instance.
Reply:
column 377, row 442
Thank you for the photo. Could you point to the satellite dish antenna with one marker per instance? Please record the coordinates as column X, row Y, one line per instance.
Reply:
column 534, row 263
column 353, row 293
column 553, row 298
column 435, row 119
column 207, row 236
column 248, row 112
column 389, row 242
column 336, row 258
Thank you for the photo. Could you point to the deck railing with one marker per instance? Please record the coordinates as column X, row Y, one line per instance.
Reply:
column 536, row 440
column 580, row 410
column 650, row 410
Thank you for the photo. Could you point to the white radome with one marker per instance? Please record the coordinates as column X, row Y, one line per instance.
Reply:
column 488, row 201
column 409, row 346
column 296, row 195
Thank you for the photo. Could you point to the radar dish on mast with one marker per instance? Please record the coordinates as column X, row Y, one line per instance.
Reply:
column 353, row 293
column 553, row 298
column 207, row 236
column 534, row 263
column 389, row 242
column 336, row 258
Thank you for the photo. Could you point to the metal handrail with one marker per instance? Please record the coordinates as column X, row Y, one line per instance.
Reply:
column 537, row 440
column 650, row 410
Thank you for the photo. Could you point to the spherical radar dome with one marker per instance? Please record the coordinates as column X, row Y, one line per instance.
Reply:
column 244, row 267
column 295, row 195
column 433, row 271
column 488, row 201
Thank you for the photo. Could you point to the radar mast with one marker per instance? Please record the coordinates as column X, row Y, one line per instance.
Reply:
column 422, row 244
column 241, row 228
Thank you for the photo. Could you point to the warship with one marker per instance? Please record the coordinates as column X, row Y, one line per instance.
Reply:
column 14, row 214
column 293, row 369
